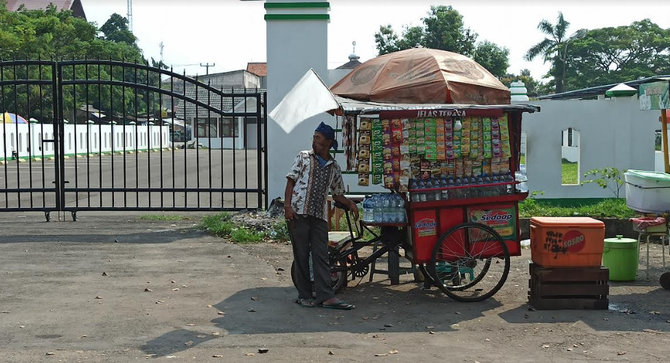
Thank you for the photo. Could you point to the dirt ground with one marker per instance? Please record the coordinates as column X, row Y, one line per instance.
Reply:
column 116, row 288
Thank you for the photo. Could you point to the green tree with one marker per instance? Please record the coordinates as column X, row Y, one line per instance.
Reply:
column 444, row 29
column 386, row 40
column 53, row 34
column 492, row 57
column 618, row 54
column 554, row 49
column 116, row 30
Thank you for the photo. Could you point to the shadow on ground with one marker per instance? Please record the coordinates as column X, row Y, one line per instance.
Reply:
column 625, row 313
column 379, row 308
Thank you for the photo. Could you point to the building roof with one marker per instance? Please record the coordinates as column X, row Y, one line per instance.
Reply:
column 352, row 63
column 74, row 5
column 600, row 90
column 258, row 68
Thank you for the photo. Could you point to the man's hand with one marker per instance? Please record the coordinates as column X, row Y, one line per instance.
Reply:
column 289, row 213
column 353, row 208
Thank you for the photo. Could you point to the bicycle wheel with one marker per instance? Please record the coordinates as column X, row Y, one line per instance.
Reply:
column 469, row 263
column 338, row 276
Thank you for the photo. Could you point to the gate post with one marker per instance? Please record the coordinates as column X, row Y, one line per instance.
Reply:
column 59, row 131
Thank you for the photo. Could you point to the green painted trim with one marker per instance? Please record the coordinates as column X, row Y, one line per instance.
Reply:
column 297, row 17
column 297, row 5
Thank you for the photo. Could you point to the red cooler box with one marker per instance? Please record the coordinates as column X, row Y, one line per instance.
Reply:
column 567, row 241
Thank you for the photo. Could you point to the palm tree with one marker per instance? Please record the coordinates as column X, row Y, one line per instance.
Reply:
column 554, row 49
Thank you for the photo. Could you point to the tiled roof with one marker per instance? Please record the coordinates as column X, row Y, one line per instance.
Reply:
column 74, row 5
column 13, row 5
column 227, row 82
column 258, row 68
column 350, row 65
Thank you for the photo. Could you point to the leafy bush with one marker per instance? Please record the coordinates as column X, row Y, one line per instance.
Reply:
column 596, row 208
column 607, row 178
column 222, row 226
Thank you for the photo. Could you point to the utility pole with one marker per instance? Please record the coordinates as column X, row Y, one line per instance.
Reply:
column 207, row 65
column 130, row 15
column 161, row 45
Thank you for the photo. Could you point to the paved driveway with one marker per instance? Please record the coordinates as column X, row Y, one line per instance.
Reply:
column 114, row 287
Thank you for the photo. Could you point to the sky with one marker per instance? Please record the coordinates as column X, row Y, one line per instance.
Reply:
column 231, row 33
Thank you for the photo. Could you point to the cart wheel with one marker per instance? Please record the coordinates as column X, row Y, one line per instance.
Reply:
column 469, row 263
column 339, row 271
column 428, row 280
column 337, row 274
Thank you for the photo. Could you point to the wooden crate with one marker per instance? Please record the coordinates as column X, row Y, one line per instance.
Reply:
column 568, row 288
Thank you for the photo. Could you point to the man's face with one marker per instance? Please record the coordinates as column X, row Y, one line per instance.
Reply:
column 320, row 144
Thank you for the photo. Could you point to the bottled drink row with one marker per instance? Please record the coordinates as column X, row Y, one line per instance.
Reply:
column 384, row 208
column 461, row 188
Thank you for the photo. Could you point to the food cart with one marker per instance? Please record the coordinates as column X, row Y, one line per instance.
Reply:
column 438, row 131
column 454, row 167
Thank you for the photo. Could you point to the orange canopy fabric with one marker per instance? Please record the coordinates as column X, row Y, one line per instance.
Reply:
column 422, row 75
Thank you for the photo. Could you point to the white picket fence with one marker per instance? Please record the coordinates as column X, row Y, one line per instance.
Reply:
column 26, row 140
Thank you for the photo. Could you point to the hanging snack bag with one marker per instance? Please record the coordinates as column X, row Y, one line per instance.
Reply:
column 411, row 138
column 415, row 166
column 430, row 135
column 504, row 136
column 420, row 131
column 457, row 140
column 458, row 168
column 388, row 181
column 486, row 167
column 451, row 167
column 386, row 125
column 476, row 168
column 467, row 167
column 363, row 180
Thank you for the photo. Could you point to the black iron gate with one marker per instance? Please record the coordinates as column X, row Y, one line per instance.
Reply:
column 107, row 135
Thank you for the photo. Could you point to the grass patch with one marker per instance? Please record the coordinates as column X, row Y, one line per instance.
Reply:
column 164, row 217
column 569, row 172
column 222, row 226
column 596, row 208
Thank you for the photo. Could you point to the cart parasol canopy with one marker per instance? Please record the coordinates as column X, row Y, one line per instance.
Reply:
column 422, row 75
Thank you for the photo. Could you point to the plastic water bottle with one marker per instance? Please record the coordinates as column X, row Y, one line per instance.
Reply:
column 520, row 177
column 444, row 192
column 368, row 210
column 457, row 192
column 378, row 208
column 387, row 210
column 400, row 210
column 422, row 193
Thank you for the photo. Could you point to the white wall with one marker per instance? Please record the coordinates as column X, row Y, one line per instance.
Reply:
column 613, row 133
column 293, row 47
column 100, row 138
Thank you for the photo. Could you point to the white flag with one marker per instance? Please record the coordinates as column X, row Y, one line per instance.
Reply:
column 307, row 98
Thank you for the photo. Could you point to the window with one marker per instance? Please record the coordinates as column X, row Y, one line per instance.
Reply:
column 570, row 157
column 228, row 127
column 206, row 127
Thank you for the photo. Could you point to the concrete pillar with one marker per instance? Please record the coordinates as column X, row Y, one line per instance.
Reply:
column 297, row 40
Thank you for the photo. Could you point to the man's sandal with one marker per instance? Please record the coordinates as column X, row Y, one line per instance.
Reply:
column 305, row 303
column 339, row 305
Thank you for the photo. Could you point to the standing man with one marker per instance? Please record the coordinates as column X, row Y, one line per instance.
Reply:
column 313, row 173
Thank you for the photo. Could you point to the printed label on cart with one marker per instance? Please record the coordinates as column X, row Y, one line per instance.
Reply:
column 502, row 220
column 426, row 227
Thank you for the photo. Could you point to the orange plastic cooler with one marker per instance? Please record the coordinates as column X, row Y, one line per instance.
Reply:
column 566, row 241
